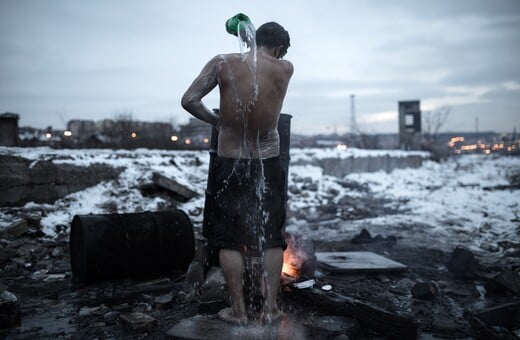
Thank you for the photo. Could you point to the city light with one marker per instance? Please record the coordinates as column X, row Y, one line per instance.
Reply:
column 187, row 141
column 67, row 133
column 134, row 135
column 174, row 138
column 457, row 139
column 48, row 135
column 205, row 140
column 341, row 147
column 469, row 147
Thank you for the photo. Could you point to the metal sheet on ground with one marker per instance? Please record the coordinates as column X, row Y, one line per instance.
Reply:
column 357, row 262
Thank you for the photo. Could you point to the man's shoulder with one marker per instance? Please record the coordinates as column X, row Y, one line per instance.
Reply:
column 227, row 57
column 287, row 66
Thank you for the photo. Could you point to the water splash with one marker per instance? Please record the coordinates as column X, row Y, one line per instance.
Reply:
column 247, row 44
column 245, row 101
column 246, row 37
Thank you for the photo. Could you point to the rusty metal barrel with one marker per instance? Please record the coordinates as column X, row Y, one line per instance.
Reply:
column 112, row 246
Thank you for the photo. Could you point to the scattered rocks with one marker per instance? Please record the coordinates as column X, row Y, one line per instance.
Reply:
column 512, row 252
column 365, row 237
column 211, row 307
column 164, row 301
column 496, row 322
column 490, row 247
column 142, row 307
column 180, row 191
column 137, row 323
column 425, row 290
column 194, row 277
column 463, row 263
column 111, row 317
column 331, row 326
column 506, row 281
column 214, row 288
column 17, row 229
column 10, row 315
column 87, row 311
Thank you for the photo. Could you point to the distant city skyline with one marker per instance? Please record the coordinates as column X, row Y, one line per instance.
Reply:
column 62, row 60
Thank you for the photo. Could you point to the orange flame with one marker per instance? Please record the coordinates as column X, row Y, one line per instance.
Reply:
column 292, row 262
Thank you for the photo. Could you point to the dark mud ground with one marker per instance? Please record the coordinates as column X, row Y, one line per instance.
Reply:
column 38, row 272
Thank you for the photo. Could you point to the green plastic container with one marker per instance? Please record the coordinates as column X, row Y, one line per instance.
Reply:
column 232, row 23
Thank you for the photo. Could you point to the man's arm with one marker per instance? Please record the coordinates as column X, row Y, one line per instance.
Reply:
column 201, row 86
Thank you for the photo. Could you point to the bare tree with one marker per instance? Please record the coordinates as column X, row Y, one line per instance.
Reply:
column 433, row 121
column 123, row 123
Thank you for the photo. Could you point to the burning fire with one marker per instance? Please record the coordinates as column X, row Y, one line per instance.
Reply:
column 294, row 258
column 291, row 263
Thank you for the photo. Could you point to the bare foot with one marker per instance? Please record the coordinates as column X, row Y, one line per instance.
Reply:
column 272, row 316
column 227, row 315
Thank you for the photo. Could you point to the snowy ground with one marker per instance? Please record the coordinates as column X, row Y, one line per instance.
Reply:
column 445, row 203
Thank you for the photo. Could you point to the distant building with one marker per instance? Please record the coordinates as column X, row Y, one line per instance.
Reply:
column 195, row 133
column 9, row 129
column 410, row 137
column 153, row 130
column 81, row 129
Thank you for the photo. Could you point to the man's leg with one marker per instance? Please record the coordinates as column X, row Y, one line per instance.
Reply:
column 232, row 265
column 273, row 261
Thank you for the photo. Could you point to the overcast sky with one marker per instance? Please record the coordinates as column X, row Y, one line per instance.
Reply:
column 62, row 60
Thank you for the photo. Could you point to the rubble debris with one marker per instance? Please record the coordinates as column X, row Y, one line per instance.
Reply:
column 497, row 322
column 463, row 263
column 194, row 277
column 164, row 301
column 6, row 256
column 87, row 311
column 111, row 317
column 212, row 307
column 214, row 288
column 374, row 318
column 506, row 281
column 425, row 290
column 137, row 323
column 304, row 284
column 46, row 181
column 489, row 247
column 17, row 229
column 180, row 192
column 10, row 315
column 332, row 326
column 512, row 252
column 364, row 236
column 508, row 245
column 142, row 307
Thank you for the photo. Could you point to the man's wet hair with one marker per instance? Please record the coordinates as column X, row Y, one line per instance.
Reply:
column 272, row 34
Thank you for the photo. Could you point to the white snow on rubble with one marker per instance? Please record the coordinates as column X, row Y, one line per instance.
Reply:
column 443, row 202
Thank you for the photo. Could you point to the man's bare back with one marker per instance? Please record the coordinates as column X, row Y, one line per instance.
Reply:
column 251, row 98
column 252, row 88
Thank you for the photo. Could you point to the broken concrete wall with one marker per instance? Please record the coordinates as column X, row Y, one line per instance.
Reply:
column 341, row 167
column 22, row 180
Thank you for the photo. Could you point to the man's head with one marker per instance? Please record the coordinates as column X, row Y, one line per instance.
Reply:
column 272, row 34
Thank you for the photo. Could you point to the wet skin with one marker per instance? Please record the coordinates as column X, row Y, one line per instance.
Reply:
column 248, row 114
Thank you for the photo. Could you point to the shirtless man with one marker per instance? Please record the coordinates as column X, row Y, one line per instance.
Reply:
column 249, row 176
